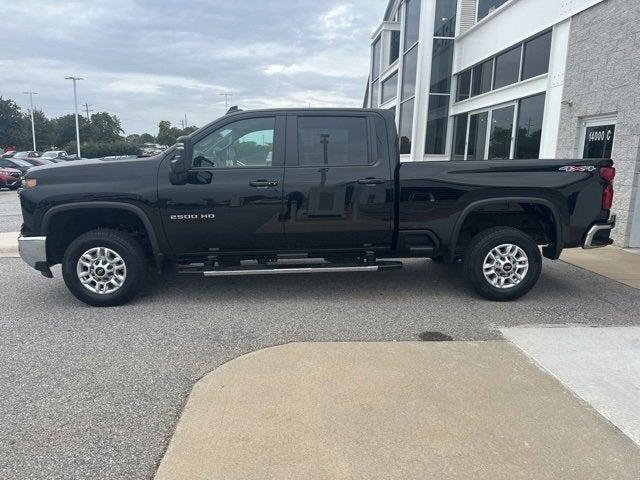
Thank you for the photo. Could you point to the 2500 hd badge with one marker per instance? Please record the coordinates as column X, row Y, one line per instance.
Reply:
column 203, row 216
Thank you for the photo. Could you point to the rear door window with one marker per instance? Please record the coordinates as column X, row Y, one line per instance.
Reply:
column 336, row 141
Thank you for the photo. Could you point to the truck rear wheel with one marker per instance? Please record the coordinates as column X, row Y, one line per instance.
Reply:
column 104, row 268
column 503, row 263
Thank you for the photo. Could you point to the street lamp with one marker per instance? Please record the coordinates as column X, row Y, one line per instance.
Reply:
column 226, row 96
column 75, row 99
column 33, row 123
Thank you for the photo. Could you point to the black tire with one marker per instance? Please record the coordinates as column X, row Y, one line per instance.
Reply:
column 480, row 247
column 130, row 251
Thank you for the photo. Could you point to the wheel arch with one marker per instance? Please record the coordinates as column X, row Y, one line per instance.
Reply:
column 552, row 251
column 49, row 217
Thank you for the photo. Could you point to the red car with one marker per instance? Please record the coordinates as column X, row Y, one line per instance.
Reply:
column 10, row 178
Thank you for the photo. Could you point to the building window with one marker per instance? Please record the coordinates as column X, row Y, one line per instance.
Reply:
column 501, row 133
column 445, row 19
column 441, row 65
column 537, row 53
column 482, row 78
column 477, row 136
column 412, row 24
column 406, row 126
column 526, row 60
column 332, row 141
column 375, row 87
column 507, row 68
column 437, row 119
column 464, row 86
column 409, row 72
column 460, row 123
column 375, row 72
column 529, row 134
column 390, row 88
column 486, row 7
column 394, row 46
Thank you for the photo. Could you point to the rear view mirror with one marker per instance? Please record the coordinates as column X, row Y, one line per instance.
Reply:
column 181, row 162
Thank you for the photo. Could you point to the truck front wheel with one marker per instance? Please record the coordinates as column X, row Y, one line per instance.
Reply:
column 104, row 267
column 502, row 263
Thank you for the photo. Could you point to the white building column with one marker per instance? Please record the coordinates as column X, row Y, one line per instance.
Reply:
column 555, row 89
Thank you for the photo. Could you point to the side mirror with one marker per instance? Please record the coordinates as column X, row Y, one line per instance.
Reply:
column 181, row 162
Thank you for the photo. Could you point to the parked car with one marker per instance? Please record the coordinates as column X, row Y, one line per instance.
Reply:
column 55, row 156
column 18, row 164
column 10, row 178
column 213, row 205
column 24, row 155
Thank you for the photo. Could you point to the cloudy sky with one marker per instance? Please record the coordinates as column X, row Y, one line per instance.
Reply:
column 149, row 60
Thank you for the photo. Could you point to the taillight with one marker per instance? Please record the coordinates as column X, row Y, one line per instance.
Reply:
column 608, row 174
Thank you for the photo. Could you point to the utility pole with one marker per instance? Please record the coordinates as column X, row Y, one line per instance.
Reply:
column 33, row 123
column 226, row 96
column 75, row 99
column 86, row 107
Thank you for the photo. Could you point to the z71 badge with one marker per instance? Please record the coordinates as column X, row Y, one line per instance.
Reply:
column 202, row 216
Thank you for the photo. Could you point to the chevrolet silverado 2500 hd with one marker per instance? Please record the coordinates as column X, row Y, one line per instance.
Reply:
column 253, row 190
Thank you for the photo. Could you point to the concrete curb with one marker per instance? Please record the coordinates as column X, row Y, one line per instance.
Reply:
column 458, row 410
column 9, row 244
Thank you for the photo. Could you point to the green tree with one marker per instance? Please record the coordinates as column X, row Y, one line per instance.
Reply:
column 147, row 138
column 134, row 139
column 12, row 131
column 44, row 131
column 65, row 130
column 105, row 128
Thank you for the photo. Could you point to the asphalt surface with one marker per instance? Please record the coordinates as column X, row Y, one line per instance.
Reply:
column 95, row 393
column 10, row 215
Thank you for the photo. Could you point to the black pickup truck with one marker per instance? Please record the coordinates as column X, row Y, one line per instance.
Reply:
column 255, row 192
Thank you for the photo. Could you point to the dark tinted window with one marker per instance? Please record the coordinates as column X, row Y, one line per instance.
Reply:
column 507, row 68
column 412, row 24
column 529, row 131
column 477, row 136
column 441, row 66
column 459, row 136
column 445, row 24
column 332, row 141
column 485, row 7
column 437, row 124
column 390, row 88
column 406, row 126
column 482, row 75
column 598, row 142
column 394, row 47
column 464, row 86
column 536, row 56
column 409, row 73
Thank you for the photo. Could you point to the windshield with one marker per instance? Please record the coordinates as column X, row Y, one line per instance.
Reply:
column 49, row 155
column 22, row 163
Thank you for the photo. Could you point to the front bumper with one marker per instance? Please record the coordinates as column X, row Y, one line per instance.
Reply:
column 33, row 250
column 599, row 233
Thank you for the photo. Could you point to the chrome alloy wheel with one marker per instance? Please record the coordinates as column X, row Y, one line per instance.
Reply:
column 101, row 270
column 506, row 266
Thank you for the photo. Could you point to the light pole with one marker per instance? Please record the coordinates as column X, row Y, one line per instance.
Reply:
column 226, row 96
column 33, row 123
column 75, row 99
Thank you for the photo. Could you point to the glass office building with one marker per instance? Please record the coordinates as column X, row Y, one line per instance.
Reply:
column 514, row 79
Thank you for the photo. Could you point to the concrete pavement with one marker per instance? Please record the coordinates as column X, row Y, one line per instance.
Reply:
column 615, row 263
column 454, row 410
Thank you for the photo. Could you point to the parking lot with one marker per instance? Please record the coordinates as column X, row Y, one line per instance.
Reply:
column 96, row 393
column 10, row 216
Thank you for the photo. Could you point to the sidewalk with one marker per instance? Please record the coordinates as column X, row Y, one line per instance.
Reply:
column 9, row 244
column 617, row 264
column 455, row 410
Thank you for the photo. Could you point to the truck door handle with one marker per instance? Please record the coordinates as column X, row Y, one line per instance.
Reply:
column 264, row 183
column 371, row 181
